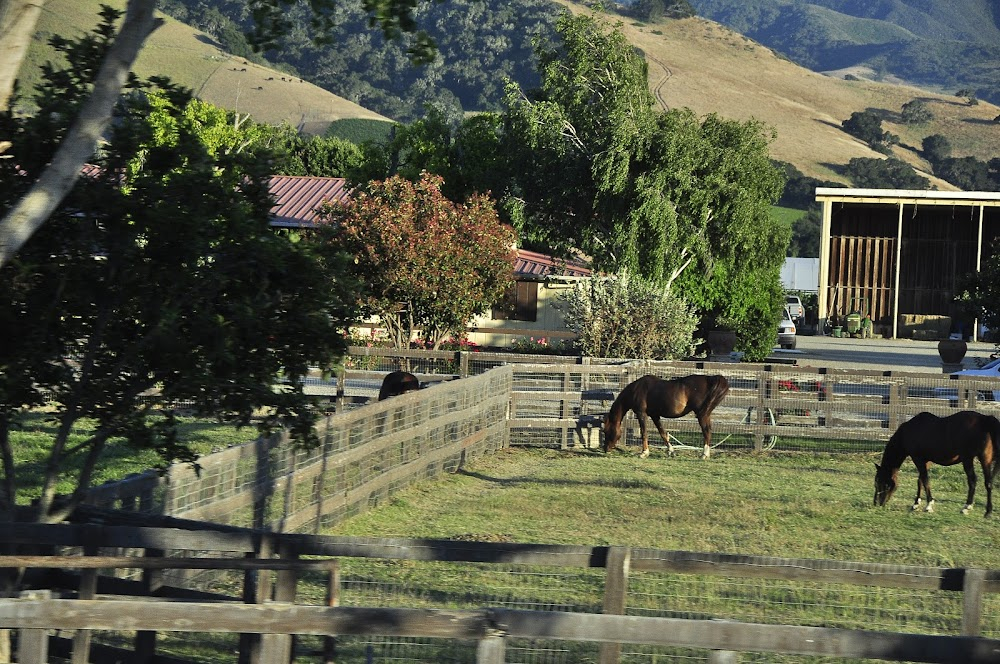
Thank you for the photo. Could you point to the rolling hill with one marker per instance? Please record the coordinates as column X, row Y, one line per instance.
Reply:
column 694, row 63
column 943, row 46
column 702, row 65
column 193, row 60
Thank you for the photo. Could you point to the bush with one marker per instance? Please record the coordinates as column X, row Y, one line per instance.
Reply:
column 626, row 316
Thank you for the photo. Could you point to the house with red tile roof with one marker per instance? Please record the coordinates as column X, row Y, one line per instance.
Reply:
column 528, row 310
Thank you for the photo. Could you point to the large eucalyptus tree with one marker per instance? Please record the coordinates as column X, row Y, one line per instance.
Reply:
column 680, row 200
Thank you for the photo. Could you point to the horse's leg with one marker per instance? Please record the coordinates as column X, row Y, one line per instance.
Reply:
column 645, row 437
column 663, row 434
column 920, row 484
column 988, row 480
column 970, row 476
column 706, row 433
column 924, row 478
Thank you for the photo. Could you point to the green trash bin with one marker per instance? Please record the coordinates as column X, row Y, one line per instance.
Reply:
column 853, row 322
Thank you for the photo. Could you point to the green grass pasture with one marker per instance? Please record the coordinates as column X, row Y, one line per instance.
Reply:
column 788, row 505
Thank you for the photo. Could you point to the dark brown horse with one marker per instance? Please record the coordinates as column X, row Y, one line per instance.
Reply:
column 927, row 438
column 396, row 383
column 658, row 398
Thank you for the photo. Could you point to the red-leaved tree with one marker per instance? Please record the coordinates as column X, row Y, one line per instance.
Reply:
column 429, row 265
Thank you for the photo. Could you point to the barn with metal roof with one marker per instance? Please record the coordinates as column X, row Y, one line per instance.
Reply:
column 898, row 256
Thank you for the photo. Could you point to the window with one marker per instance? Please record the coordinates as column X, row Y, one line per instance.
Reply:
column 520, row 302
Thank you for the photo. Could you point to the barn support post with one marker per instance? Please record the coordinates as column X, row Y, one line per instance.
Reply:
column 895, row 273
column 33, row 645
column 972, row 601
column 823, row 313
column 615, row 592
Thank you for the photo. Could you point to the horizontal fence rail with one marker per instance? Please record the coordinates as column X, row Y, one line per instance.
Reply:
column 491, row 627
column 254, row 613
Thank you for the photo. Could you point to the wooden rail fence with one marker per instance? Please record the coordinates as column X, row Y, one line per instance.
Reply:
column 268, row 608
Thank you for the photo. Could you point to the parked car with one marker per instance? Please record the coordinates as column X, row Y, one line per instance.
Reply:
column 786, row 330
column 795, row 308
column 989, row 370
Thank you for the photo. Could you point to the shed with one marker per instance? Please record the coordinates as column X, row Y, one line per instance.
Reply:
column 897, row 256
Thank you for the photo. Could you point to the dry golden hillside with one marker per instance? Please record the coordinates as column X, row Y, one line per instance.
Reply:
column 192, row 59
column 708, row 68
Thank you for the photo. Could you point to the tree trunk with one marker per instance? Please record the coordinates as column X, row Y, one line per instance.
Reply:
column 57, row 180
column 17, row 27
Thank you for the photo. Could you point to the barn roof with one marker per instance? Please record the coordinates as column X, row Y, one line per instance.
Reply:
column 297, row 197
column 534, row 264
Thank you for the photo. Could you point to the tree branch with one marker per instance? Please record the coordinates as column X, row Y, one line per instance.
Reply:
column 28, row 215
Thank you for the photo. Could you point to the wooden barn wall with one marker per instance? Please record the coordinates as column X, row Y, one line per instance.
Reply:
column 862, row 258
column 939, row 247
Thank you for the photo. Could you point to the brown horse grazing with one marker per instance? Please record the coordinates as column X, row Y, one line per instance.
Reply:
column 927, row 438
column 397, row 383
column 658, row 398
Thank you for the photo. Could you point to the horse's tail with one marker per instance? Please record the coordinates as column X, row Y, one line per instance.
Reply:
column 716, row 393
column 993, row 428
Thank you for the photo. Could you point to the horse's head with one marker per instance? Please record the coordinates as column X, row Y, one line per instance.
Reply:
column 885, row 484
column 612, row 432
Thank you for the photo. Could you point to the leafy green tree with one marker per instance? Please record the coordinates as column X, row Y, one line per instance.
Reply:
column 159, row 272
column 665, row 195
column 969, row 95
column 967, row 173
column 936, row 148
column 916, row 112
column 867, row 172
column 805, row 235
column 624, row 315
column 866, row 126
column 17, row 26
column 979, row 292
column 429, row 265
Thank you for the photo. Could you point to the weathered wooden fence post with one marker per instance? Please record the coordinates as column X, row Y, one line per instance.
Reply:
column 152, row 581
column 256, row 590
column 491, row 649
column 33, row 645
column 278, row 648
column 972, row 601
column 332, row 599
column 615, row 591
column 87, row 590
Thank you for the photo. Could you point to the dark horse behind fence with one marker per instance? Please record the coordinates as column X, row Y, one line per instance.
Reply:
column 396, row 383
column 927, row 438
column 656, row 397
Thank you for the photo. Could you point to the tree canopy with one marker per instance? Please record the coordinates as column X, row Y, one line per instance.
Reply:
column 586, row 163
column 158, row 274
column 18, row 18
column 429, row 265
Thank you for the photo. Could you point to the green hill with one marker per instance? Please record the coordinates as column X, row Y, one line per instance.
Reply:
column 193, row 60
column 694, row 63
column 700, row 64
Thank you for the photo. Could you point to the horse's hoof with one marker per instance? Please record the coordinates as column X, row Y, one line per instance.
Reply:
column 915, row 507
column 930, row 507
column 966, row 509
column 644, row 454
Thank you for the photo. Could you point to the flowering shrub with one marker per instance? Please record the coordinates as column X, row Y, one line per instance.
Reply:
column 543, row 346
